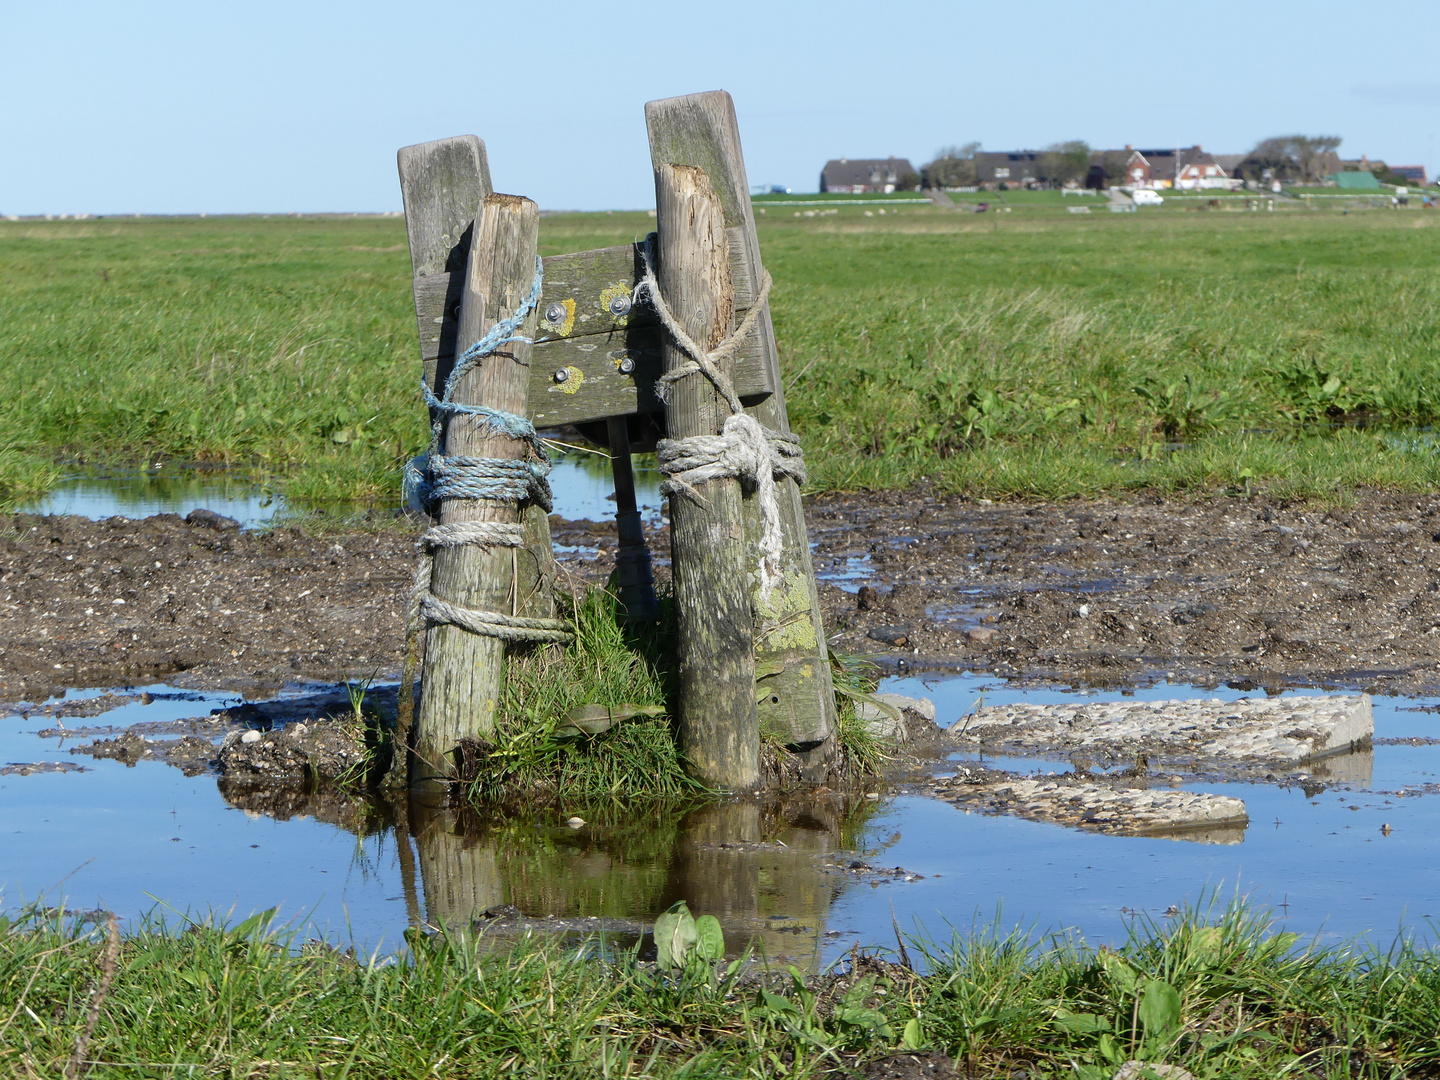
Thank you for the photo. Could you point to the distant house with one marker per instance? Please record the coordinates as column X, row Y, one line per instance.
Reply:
column 1013, row 168
column 1414, row 173
column 1189, row 169
column 865, row 176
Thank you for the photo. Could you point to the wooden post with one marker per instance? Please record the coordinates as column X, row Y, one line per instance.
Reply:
column 701, row 130
column 464, row 672
column 634, row 581
column 719, row 728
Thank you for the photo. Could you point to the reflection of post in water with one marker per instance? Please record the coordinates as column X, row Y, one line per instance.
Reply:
column 759, row 868
column 405, row 854
column 458, row 865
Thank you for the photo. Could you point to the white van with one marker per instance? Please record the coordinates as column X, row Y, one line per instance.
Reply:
column 1146, row 197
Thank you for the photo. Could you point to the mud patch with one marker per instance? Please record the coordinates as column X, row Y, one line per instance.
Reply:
column 323, row 750
column 33, row 768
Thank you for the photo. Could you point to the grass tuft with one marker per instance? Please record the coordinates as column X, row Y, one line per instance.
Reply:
column 626, row 667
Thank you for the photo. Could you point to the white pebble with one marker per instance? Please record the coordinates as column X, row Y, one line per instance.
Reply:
column 576, row 823
column 251, row 736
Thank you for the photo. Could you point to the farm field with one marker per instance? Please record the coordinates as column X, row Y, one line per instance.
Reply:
column 1242, row 401
column 1031, row 353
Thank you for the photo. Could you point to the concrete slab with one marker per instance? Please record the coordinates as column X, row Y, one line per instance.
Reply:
column 1251, row 732
column 1102, row 808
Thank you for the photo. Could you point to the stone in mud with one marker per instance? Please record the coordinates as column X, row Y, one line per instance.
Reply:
column 1251, row 731
column 208, row 519
column 1116, row 811
column 890, row 635
column 915, row 713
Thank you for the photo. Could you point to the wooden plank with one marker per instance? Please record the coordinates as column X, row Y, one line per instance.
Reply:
column 589, row 340
column 700, row 130
column 719, row 733
column 443, row 184
column 464, row 672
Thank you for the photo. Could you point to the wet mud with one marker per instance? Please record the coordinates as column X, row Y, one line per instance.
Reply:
column 1095, row 592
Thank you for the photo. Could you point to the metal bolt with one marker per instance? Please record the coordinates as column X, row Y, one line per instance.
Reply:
column 562, row 374
column 619, row 305
column 627, row 365
column 555, row 313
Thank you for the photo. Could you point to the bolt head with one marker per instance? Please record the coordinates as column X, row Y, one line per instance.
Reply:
column 555, row 313
column 627, row 366
column 562, row 375
column 619, row 305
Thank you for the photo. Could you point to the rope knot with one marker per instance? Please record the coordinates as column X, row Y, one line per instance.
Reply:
column 744, row 449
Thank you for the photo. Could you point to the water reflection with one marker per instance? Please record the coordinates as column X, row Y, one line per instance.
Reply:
column 765, row 869
column 582, row 482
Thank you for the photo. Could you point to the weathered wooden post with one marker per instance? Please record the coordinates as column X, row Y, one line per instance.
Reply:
column 700, row 130
column 464, row 671
column 719, row 728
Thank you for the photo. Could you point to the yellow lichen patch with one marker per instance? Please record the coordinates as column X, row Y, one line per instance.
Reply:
column 785, row 620
column 572, row 384
column 619, row 289
column 563, row 328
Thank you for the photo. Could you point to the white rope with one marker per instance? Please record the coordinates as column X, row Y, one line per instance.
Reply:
column 493, row 624
column 425, row 605
column 481, row 533
column 745, row 449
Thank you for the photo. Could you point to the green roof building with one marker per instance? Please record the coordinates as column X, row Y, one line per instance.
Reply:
column 1360, row 180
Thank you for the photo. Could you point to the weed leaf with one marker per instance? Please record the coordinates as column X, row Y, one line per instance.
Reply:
column 1159, row 1009
column 675, row 935
column 709, row 938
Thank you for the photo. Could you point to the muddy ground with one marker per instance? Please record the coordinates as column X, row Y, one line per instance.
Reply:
column 1210, row 589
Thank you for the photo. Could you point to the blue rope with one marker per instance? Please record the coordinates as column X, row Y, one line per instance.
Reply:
column 502, row 333
column 435, row 477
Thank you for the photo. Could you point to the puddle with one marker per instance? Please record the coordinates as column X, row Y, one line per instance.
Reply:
column 135, row 837
column 846, row 571
column 139, row 493
column 582, row 483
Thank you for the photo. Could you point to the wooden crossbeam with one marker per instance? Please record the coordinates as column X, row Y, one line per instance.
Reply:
column 588, row 330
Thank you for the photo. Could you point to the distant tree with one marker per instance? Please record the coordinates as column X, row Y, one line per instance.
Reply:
column 1107, row 168
column 1302, row 158
column 1065, row 161
column 910, row 181
column 954, row 166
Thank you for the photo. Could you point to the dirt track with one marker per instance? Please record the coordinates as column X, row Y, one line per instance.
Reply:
column 1215, row 589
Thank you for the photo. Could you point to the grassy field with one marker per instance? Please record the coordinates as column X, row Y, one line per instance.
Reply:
column 1222, row 997
column 1031, row 353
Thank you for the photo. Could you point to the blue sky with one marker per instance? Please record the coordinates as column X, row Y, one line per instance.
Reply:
column 161, row 107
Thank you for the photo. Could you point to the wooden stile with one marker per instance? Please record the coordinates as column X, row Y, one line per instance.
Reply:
column 718, row 728
column 464, row 673
column 700, row 130
column 598, row 356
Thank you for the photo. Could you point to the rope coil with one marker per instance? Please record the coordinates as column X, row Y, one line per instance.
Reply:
column 745, row 449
